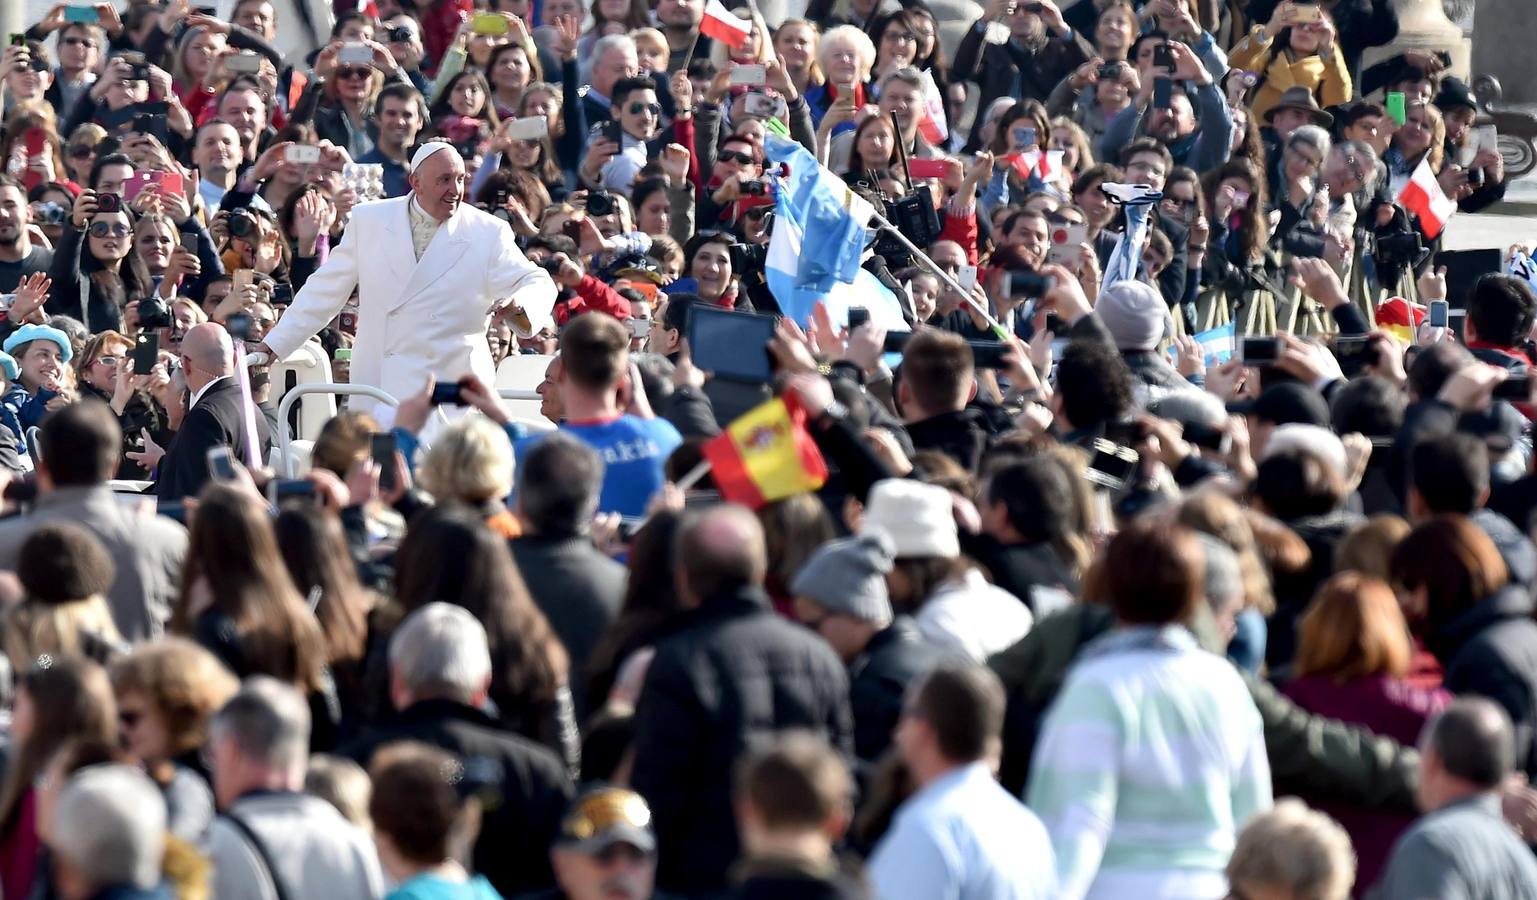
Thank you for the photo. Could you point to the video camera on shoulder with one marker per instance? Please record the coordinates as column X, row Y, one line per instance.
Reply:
column 916, row 218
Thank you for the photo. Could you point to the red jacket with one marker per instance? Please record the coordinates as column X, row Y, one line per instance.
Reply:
column 962, row 230
column 592, row 295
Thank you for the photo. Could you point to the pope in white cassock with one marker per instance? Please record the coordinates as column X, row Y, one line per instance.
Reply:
column 431, row 271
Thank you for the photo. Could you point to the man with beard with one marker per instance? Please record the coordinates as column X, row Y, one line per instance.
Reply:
column 430, row 272
column 1202, row 144
column 19, row 257
column 679, row 21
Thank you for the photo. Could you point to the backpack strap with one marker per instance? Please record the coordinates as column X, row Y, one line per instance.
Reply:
column 249, row 836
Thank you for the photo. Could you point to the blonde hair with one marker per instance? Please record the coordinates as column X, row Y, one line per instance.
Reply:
column 650, row 36
column 863, row 48
column 720, row 54
column 343, row 784
column 1294, row 849
column 470, row 461
column 34, row 628
column 184, row 683
column 1219, row 516
column 1353, row 628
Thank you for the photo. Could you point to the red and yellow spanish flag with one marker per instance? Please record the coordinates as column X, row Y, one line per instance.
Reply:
column 766, row 455
column 1400, row 318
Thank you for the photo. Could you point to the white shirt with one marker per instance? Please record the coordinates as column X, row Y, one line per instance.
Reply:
column 962, row 837
column 198, row 394
column 423, row 227
column 973, row 618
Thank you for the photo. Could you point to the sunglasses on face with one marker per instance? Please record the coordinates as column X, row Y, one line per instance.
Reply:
column 637, row 108
column 78, row 42
column 81, row 151
column 735, row 156
column 352, row 72
column 103, row 229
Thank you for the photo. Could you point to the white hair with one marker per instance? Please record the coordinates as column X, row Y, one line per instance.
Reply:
column 441, row 651
column 1319, row 441
column 857, row 40
column 612, row 42
column 109, row 827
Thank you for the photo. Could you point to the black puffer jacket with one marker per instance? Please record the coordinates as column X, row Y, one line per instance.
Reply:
column 878, row 679
column 735, row 674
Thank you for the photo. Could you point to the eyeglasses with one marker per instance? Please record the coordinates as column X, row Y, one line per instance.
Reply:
column 637, row 108
column 352, row 72
column 78, row 42
column 102, row 229
column 745, row 159
column 900, row 37
column 1354, row 167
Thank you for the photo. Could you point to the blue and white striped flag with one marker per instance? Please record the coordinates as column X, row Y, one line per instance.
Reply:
column 1127, row 255
column 1218, row 344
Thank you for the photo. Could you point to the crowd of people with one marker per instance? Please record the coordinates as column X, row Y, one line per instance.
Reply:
column 1082, row 605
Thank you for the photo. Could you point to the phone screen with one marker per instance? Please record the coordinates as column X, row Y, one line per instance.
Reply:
column 1163, row 92
column 448, row 394
column 382, row 449
column 1259, row 351
column 221, row 465
column 1437, row 314
column 722, row 342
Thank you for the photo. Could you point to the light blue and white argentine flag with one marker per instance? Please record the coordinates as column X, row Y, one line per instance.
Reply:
column 1127, row 255
column 1218, row 344
column 818, row 240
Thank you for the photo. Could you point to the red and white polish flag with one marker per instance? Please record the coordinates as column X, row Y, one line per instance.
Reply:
column 724, row 25
column 1422, row 196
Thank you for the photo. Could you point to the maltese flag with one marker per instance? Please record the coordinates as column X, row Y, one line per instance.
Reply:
column 1422, row 196
column 724, row 25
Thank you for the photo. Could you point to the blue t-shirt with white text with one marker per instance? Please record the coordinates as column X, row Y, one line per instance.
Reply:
column 633, row 451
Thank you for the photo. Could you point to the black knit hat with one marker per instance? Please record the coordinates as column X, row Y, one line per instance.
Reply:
column 62, row 562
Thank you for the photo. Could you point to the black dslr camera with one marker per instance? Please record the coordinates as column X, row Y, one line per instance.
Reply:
column 242, row 224
column 154, row 313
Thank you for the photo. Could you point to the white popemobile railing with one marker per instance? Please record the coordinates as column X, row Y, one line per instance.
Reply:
column 299, row 391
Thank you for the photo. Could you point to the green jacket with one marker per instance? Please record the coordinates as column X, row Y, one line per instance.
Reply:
column 1309, row 754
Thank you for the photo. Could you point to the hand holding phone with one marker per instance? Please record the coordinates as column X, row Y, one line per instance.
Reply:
column 448, row 394
column 382, row 450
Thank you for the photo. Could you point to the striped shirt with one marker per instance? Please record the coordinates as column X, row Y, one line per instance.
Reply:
column 1149, row 762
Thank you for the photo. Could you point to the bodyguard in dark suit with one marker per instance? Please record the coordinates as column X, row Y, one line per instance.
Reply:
column 216, row 417
column 576, row 587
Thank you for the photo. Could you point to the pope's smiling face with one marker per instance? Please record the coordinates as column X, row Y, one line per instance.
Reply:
column 439, row 183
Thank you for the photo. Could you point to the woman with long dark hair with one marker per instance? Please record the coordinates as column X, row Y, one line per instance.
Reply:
column 450, row 555
column 318, row 559
column 239, row 602
column 94, row 272
column 651, row 607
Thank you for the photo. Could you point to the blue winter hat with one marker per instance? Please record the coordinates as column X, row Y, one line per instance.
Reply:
column 28, row 333
column 8, row 363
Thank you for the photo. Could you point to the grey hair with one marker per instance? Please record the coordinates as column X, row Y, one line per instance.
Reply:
column 1366, row 155
column 1224, row 581
column 1313, row 136
column 1296, row 849
column 269, row 722
column 908, row 74
column 109, row 827
column 611, row 42
column 441, row 651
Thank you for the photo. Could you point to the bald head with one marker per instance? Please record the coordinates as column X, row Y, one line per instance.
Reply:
column 1474, row 742
column 438, row 182
column 208, row 352
column 719, row 549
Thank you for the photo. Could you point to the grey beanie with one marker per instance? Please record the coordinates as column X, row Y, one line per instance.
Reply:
column 1134, row 313
column 848, row 577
